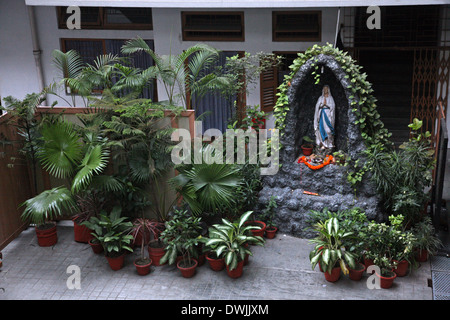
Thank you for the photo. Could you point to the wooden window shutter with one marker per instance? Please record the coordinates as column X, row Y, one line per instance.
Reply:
column 268, row 87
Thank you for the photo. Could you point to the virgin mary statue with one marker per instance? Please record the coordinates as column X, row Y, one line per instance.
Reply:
column 324, row 119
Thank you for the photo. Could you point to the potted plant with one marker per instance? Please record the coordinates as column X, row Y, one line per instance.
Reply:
column 143, row 228
column 42, row 209
column 329, row 250
column 307, row 146
column 267, row 216
column 387, row 274
column 112, row 231
column 229, row 240
column 182, row 236
column 216, row 263
column 427, row 243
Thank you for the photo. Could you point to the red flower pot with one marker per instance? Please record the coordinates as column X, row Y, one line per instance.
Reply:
column 236, row 272
column 116, row 263
column 307, row 150
column 270, row 232
column 189, row 270
column 422, row 255
column 356, row 274
column 142, row 268
column 402, row 268
column 81, row 233
column 96, row 247
column 257, row 232
column 368, row 262
column 156, row 252
column 334, row 275
column 216, row 264
column 386, row 281
column 46, row 235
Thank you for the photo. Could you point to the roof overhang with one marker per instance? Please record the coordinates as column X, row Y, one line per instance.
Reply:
column 230, row 4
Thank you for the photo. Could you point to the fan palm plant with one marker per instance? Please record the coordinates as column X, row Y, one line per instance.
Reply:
column 207, row 187
column 68, row 154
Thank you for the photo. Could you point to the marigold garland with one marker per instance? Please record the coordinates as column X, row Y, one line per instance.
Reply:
column 328, row 159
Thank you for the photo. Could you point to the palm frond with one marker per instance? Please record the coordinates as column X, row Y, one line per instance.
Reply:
column 61, row 149
column 48, row 205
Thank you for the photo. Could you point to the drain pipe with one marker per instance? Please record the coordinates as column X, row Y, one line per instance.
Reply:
column 337, row 27
column 36, row 49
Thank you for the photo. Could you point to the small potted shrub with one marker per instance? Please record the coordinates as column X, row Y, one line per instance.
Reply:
column 182, row 236
column 112, row 231
column 329, row 251
column 387, row 274
column 427, row 243
column 307, row 146
column 230, row 240
column 143, row 228
column 267, row 216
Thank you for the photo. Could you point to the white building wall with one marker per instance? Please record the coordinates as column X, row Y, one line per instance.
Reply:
column 18, row 74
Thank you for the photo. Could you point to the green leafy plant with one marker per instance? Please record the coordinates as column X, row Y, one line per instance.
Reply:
column 387, row 244
column 401, row 177
column 207, row 187
column 112, row 232
column 230, row 239
column 426, row 238
column 329, row 248
column 179, row 74
column 23, row 119
column 182, row 236
column 67, row 153
column 268, row 213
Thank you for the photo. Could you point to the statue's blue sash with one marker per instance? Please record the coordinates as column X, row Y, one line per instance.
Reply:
column 324, row 120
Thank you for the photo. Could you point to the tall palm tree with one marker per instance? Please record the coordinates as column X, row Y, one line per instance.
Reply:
column 182, row 75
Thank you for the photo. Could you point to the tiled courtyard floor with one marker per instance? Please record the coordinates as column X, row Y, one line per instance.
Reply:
column 278, row 271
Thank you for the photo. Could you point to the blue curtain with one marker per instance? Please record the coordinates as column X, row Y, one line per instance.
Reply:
column 220, row 109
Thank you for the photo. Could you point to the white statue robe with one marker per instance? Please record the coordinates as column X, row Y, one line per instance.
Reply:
column 324, row 117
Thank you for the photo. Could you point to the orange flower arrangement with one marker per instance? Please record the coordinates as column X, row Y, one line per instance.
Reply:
column 328, row 159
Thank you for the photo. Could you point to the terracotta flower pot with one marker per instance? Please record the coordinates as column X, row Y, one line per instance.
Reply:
column 307, row 150
column 356, row 274
column 81, row 233
column 96, row 247
column 402, row 268
column 387, row 281
column 421, row 255
column 216, row 264
column 334, row 275
column 368, row 262
column 156, row 252
column 116, row 263
column 189, row 270
column 46, row 235
column 270, row 232
column 257, row 232
column 143, row 267
column 236, row 272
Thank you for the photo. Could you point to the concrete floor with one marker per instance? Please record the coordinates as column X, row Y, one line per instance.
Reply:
column 278, row 271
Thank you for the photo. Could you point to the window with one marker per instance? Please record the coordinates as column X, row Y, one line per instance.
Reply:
column 296, row 26
column 213, row 26
column 110, row 18
column 271, row 79
column 89, row 49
